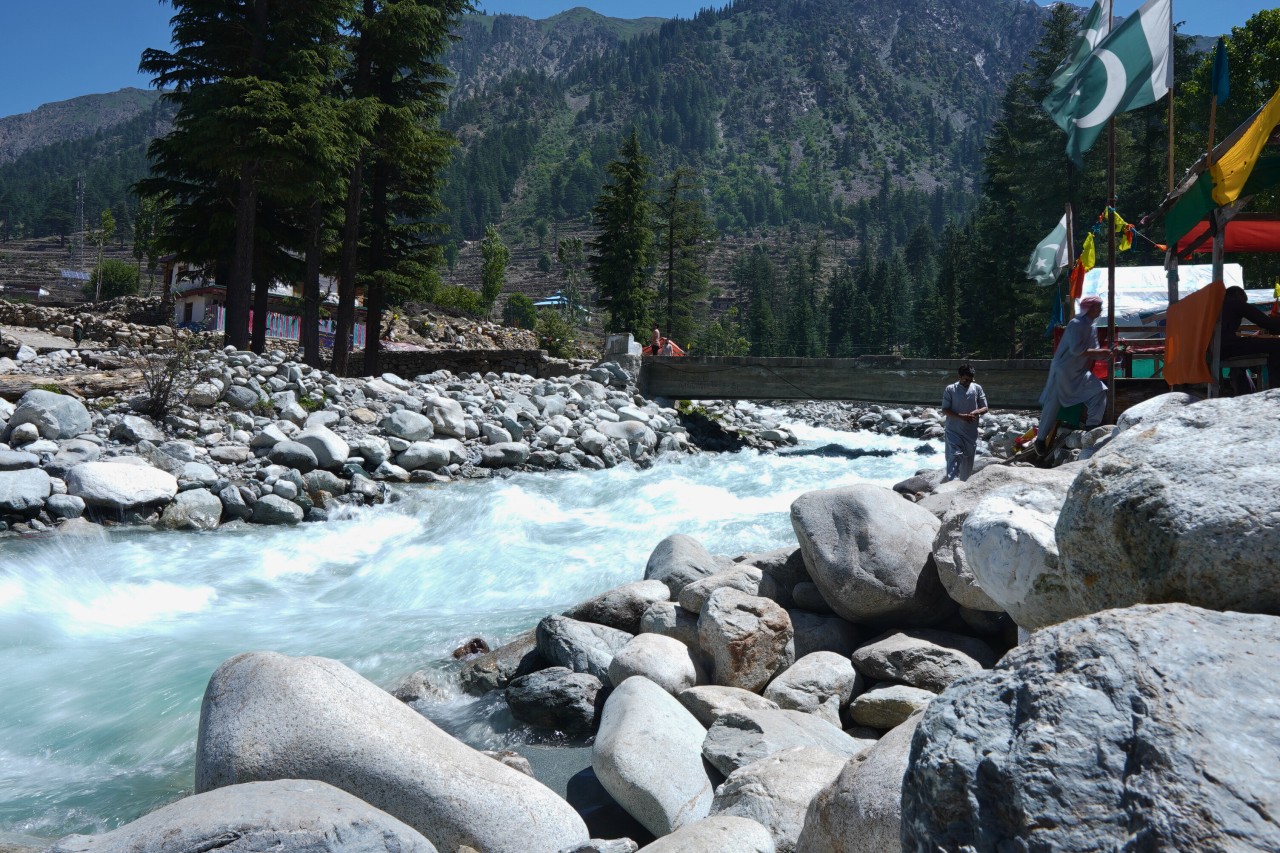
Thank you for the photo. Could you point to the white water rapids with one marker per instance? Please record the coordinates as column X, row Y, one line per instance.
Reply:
column 106, row 643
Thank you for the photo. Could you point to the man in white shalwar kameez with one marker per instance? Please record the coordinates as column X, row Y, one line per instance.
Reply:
column 1071, row 380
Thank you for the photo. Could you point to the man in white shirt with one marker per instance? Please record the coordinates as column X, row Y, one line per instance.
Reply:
column 964, row 403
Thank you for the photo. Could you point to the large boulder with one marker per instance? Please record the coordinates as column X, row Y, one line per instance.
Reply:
column 1009, row 540
column 329, row 447
column 446, row 416
column 622, row 607
column 53, row 415
column 923, row 658
column 948, row 545
column 744, row 578
column 720, row 834
column 648, row 756
column 285, row 816
column 117, row 486
column 818, row 632
column 1150, row 728
column 861, row 810
column 194, row 509
column 1185, row 507
column 409, row 425
column 776, row 791
column 670, row 620
column 820, row 683
column 747, row 638
column 665, row 661
column 870, row 552
column 24, row 491
column 580, row 646
column 556, row 698
column 132, row 428
column 268, row 716
column 709, row 702
column 678, row 561
column 736, row 740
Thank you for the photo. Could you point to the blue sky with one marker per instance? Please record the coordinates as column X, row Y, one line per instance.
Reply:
column 52, row 50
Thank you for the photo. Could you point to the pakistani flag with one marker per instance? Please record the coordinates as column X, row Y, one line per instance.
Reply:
column 1130, row 68
column 1050, row 256
column 1092, row 30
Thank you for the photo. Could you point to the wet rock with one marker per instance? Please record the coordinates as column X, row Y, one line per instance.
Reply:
column 579, row 646
column 273, row 509
column 194, row 509
column 558, row 699
column 494, row 670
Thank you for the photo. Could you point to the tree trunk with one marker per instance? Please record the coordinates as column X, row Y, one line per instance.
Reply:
column 261, row 305
column 375, row 297
column 238, row 287
column 309, row 333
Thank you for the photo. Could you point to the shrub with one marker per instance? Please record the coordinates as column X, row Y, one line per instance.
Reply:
column 555, row 335
column 118, row 279
column 519, row 311
column 167, row 377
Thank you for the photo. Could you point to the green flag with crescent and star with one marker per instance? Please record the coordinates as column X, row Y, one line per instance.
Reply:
column 1050, row 257
column 1096, row 23
column 1130, row 68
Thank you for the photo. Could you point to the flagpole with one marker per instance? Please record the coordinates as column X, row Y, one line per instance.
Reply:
column 1111, row 268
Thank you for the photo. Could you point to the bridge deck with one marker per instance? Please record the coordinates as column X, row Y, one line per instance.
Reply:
column 1009, row 383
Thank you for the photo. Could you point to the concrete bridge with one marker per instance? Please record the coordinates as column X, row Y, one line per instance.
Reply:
column 1008, row 383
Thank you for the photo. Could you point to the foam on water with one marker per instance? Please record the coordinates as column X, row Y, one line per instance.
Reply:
column 106, row 643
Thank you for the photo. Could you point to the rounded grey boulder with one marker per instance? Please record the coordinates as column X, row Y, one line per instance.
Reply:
column 53, row 415
column 923, row 658
column 24, row 491
column 721, row 834
column 748, row 639
column 118, row 486
column 678, row 561
column 268, row 716
column 776, row 791
column 286, row 816
column 663, row 660
column 870, row 552
column 194, row 509
column 1152, row 727
column 556, row 698
column 622, row 607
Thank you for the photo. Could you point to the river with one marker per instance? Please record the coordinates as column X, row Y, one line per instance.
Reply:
column 107, row 642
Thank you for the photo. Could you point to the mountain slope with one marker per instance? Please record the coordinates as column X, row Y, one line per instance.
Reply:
column 70, row 120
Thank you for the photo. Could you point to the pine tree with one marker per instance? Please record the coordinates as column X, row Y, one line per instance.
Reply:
column 622, row 253
column 493, row 271
column 684, row 237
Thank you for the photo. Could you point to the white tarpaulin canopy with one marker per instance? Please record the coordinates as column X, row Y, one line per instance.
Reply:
column 1142, row 293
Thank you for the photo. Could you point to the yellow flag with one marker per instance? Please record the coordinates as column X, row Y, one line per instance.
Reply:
column 1233, row 168
column 1124, row 234
column 1088, row 254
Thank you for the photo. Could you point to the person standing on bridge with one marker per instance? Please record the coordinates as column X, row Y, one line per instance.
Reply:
column 964, row 403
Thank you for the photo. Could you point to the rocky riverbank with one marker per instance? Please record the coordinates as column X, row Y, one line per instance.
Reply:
column 859, row 690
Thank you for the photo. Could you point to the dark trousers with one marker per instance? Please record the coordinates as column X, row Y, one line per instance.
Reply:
column 1270, row 347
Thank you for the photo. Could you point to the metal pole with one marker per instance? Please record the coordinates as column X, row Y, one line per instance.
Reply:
column 1111, row 267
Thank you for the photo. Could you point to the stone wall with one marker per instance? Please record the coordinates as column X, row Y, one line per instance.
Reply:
column 410, row 363
column 97, row 328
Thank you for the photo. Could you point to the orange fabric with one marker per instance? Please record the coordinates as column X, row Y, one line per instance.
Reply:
column 1077, row 281
column 1188, row 330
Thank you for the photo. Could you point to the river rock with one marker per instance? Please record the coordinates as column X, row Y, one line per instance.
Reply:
column 785, row 565
column 738, row 739
column 117, row 486
column 818, row 632
column 923, row 658
column 720, row 834
column 1185, row 507
column 293, row 454
column 194, row 509
column 709, row 702
column 330, row 450
column 411, row 426
column 748, row 639
column 285, row 816
column 1152, row 727
column 747, row 579
column 663, row 660
column 670, row 620
column 648, row 756
column 17, row 460
column 1154, row 409
column 678, row 561
column 422, row 456
column 580, row 646
column 556, row 698
column 446, row 416
column 233, row 503
column 133, row 429
column 821, row 683
column 888, row 705
column 622, row 607
column 948, row 545
column 871, row 554
column 268, row 716
column 505, row 455
column 23, row 492
column 495, row 670
column 71, row 453
column 54, row 416
column 861, row 810
column 273, row 509
column 240, row 396
column 65, row 506
column 776, row 791
column 1010, row 545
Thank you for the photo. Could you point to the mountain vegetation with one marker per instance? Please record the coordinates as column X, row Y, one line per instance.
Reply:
column 814, row 177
